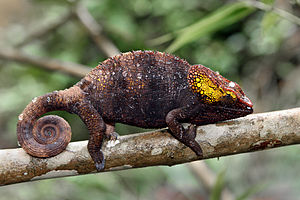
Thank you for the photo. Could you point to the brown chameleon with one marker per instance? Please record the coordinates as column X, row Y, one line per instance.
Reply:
column 141, row 88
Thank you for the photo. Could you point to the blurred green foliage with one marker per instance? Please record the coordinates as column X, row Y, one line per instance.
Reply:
column 217, row 20
column 255, row 48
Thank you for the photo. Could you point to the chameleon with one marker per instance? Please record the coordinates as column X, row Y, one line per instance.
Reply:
column 148, row 89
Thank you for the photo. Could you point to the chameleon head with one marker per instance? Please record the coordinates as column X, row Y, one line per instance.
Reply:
column 215, row 90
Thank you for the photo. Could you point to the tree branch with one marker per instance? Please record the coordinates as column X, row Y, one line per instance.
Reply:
column 89, row 23
column 94, row 29
column 252, row 133
column 41, row 32
column 269, row 8
column 49, row 64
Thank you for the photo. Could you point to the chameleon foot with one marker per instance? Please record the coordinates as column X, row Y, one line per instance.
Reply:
column 189, row 140
column 110, row 132
column 99, row 160
column 100, row 165
column 113, row 136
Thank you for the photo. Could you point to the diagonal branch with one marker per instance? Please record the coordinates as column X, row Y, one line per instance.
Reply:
column 41, row 32
column 269, row 8
column 89, row 23
column 49, row 64
column 252, row 133
column 208, row 179
column 94, row 29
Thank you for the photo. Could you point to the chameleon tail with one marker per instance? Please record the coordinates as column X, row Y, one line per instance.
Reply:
column 49, row 135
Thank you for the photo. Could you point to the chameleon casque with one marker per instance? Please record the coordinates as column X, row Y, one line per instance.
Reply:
column 141, row 88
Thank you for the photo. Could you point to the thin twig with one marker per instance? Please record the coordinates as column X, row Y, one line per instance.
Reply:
column 94, row 29
column 265, row 7
column 252, row 133
column 46, row 63
column 45, row 30
column 208, row 179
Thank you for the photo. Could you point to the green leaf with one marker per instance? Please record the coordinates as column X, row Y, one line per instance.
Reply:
column 269, row 2
column 223, row 17
column 269, row 20
column 218, row 187
column 251, row 191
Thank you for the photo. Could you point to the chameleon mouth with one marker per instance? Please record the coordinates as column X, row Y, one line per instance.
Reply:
column 246, row 110
column 245, row 100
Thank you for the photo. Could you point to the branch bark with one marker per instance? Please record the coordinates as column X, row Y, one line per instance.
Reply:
column 252, row 133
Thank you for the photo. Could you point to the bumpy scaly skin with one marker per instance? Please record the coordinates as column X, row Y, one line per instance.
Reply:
column 141, row 88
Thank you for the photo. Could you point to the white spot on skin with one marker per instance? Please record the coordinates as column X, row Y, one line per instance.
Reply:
column 231, row 84
column 112, row 143
column 138, row 64
column 34, row 99
column 139, row 75
column 25, row 174
column 20, row 117
column 48, row 99
column 156, row 151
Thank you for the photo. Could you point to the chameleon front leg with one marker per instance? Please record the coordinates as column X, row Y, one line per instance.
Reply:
column 96, row 127
column 186, row 136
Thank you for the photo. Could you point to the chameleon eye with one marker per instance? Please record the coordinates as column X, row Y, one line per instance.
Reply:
column 229, row 96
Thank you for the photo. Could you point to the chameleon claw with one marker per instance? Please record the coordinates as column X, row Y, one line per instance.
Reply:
column 191, row 142
column 100, row 166
column 113, row 136
column 198, row 150
column 191, row 132
column 97, row 157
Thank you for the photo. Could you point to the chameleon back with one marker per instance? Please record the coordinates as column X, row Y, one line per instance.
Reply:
column 138, row 88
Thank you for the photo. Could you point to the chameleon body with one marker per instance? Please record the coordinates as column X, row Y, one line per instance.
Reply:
column 141, row 88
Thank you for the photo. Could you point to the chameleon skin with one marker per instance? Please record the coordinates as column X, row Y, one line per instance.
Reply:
column 141, row 88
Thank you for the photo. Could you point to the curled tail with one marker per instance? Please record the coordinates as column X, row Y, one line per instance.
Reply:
column 49, row 135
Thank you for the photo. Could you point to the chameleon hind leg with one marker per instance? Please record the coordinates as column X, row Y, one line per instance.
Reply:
column 96, row 127
column 110, row 132
column 186, row 136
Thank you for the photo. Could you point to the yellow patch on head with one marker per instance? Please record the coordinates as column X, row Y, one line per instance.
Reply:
column 201, row 84
column 232, row 94
column 210, row 86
